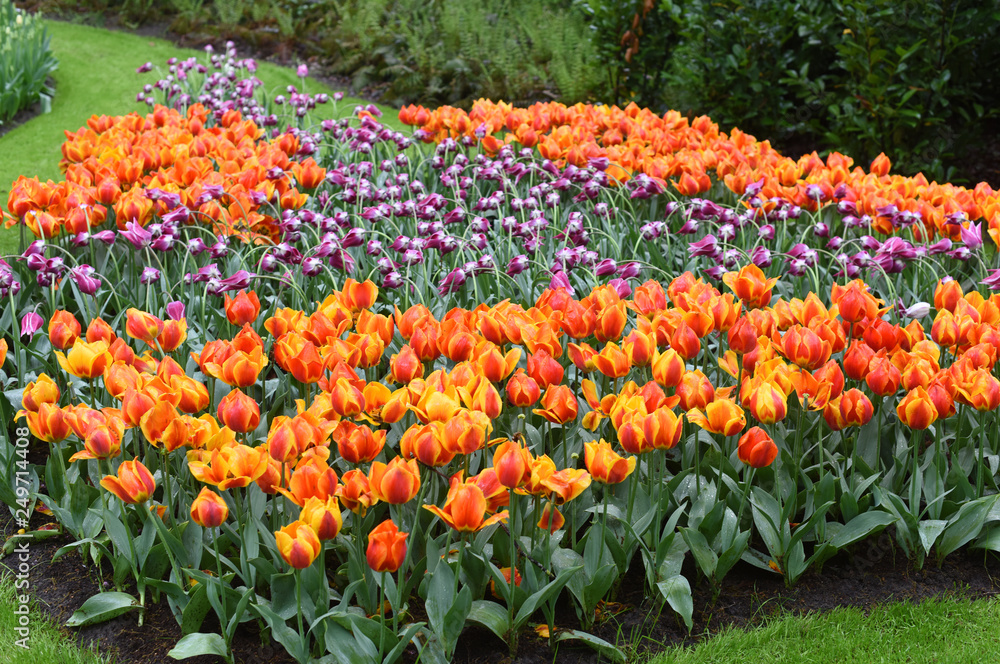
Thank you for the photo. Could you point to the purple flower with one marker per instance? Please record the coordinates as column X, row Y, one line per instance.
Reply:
column 175, row 310
column 993, row 281
column 312, row 266
column 82, row 276
column 393, row 280
column 761, row 256
column 621, row 287
column 560, row 280
column 518, row 264
column 137, row 236
column 629, row 270
column 302, row 71
column 707, row 246
column 606, row 267
column 973, row 235
column 31, row 324
column 452, row 282
column 149, row 275
column 107, row 237
column 918, row 310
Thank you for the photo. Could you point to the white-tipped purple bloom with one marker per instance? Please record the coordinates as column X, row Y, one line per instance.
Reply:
column 175, row 310
column 149, row 275
column 707, row 246
column 606, row 267
column 518, row 264
column 452, row 282
column 83, row 277
column 973, row 235
column 992, row 281
column 31, row 323
column 137, row 236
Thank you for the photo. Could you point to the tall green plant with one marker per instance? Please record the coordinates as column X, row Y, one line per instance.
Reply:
column 25, row 62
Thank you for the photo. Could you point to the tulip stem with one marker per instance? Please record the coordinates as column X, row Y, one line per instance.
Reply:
column 512, row 531
column 167, row 499
column 223, row 619
column 748, row 481
column 298, row 612
column 381, row 614
column 982, row 451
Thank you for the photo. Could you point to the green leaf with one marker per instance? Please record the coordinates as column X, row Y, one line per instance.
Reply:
column 965, row 525
column 101, row 608
column 677, row 591
column 543, row 595
column 490, row 615
column 600, row 645
column 196, row 609
column 930, row 530
column 199, row 643
column 701, row 550
column 861, row 527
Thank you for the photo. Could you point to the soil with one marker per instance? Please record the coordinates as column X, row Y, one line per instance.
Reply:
column 873, row 572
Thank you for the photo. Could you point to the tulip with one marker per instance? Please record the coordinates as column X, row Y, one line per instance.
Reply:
column 37, row 392
column 395, row 483
column 359, row 444
column 857, row 359
column 604, row 465
column 208, row 509
column 300, row 357
column 582, row 356
column 143, row 326
column 355, row 493
column 756, row 449
column 662, row 428
column 766, row 402
column 312, row 478
column 668, row 368
column 31, row 323
column 883, row 377
column 239, row 412
column 544, row 369
column 323, row 517
column 916, row 410
column 465, row 507
column 99, row 330
column 64, row 329
column 100, row 442
column 298, row 544
column 855, row 408
column 134, row 483
column 805, row 348
column 173, row 335
column 750, row 285
column 49, row 423
column 559, row 405
column 695, row 391
column 512, row 464
column 242, row 309
column 947, row 293
column 721, row 416
column 981, row 390
column 346, row 399
column 405, row 366
column 565, row 485
column 386, row 547
column 610, row 322
column 357, row 296
column 612, row 362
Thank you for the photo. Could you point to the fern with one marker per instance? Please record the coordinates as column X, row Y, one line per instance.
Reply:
column 229, row 11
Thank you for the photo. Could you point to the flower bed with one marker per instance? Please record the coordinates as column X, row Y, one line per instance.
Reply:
column 25, row 62
column 418, row 387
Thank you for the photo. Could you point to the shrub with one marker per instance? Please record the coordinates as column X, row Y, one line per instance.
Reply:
column 25, row 62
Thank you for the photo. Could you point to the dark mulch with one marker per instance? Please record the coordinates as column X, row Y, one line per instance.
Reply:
column 872, row 573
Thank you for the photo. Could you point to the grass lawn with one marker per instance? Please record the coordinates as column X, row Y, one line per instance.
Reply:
column 938, row 631
column 96, row 76
column 47, row 644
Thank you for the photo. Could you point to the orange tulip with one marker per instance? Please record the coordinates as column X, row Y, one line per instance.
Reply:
column 323, row 517
column 855, row 408
column 804, row 347
column 386, row 547
column 639, row 348
column 312, row 478
column 242, row 309
column 610, row 322
column 766, row 402
column 143, row 326
column 239, row 369
column 155, row 421
column 565, row 485
column 358, row 444
column 346, row 399
column 173, row 335
column 857, row 359
column 662, row 428
column 512, row 464
column 604, row 464
column 99, row 330
column 721, row 416
column 522, row 390
column 883, row 377
column 916, row 410
column 981, row 390
column 49, row 423
column 612, row 362
column 756, row 449
column 355, row 494
column 100, row 442
column 695, row 390
column 544, row 369
column 357, row 296
column 64, row 329
column 668, row 368
column 300, row 357
column 947, row 294
column 465, row 507
column 425, row 444
column 582, row 356
column 395, row 483
column 750, row 285
column 239, row 412
column 39, row 391
column 944, row 330
column 298, row 544
column 85, row 360
column 134, row 483
column 559, row 405
column 209, row 510
column 405, row 366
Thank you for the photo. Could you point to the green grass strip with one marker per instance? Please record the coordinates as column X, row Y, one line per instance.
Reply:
column 46, row 643
column 936, row 630
column 96, row 76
